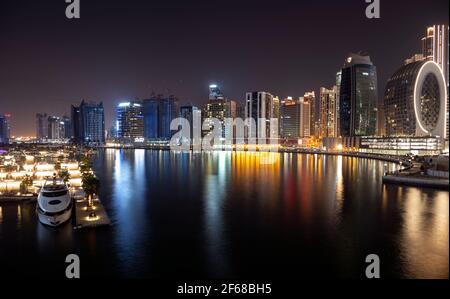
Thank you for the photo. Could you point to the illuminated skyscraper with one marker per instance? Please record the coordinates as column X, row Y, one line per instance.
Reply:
column 151, row 112
column 41, row 126
column 259, row 106
column 305, row 116
column 4, row 128
column 290, row 118
column 414, row 100
column 130, row 121
column 215, row 93
column 338, row 88
column 327, row 112
column 189, row 112
column 88, row 123
column 314, row 123
column 158, row 112
column 358, row 104
column 54, row 128
column 435, row 47
column 219, row 107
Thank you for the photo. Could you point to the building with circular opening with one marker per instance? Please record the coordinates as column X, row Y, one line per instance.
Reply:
column 415, row 101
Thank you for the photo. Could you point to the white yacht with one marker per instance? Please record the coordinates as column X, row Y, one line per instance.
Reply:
column 54, row 204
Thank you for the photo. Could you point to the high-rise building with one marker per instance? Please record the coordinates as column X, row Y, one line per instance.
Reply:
column 415, row 99
column 259, row 106
column 435, row 47
column 189, row 112
column 336, row 113
column 358, row 105
column 168, row 111
column 151, row 111
column 54, row 128
column 305, row 116
column 314, row 121
column 41, row 126
column 130, row 121
column 290, row 119
column 220, row 108
column 66, row 125
column 159, row 111
column 88, row 123
column 327, row 112
column 5, row 129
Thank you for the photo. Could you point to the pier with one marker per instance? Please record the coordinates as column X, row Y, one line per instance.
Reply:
column 89, row 216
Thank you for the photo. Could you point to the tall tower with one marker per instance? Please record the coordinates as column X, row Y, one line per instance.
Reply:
column 314, row 123
column 130, row 120
column 336, row 113
column 435, row 46
column 259, row 106
column 327, row 112
column 4, row 128
column 358, row 104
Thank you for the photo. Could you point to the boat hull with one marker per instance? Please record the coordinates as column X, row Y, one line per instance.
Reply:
column 54, row 220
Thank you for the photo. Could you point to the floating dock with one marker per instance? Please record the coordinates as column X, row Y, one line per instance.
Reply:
column 89, row 217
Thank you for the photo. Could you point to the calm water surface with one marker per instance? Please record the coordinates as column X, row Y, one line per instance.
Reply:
column 227, row 215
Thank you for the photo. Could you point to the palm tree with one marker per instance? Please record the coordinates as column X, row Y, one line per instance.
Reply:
column 85, row 164
column 64, row 174
column 26, row 182
column 90, row 183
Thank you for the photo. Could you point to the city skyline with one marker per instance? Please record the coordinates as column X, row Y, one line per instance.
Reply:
column 230, row 61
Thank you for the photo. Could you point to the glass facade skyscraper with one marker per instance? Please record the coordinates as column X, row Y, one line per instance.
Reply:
column 260, row 107
column 158, row 113
column 168, row 111
column 88, row 123
column 358, row 104
column 4, row 129
column 415, row 101
column 150, row 110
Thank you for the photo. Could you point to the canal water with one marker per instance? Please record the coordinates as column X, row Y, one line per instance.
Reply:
column 238, row 215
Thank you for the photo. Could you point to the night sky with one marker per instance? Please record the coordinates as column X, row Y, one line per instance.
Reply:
column 126, row 49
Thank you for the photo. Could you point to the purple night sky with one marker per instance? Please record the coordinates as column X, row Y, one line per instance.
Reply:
column 126, row 49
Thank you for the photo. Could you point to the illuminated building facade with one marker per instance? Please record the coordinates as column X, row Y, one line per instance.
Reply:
column 358, row 97
column 88, row 123
column 327, row 112
column 290, row 119
column 415, row 101
column 4, row 129
column 435, row 47
column 259, row 106
column 220, row 108
column 41, row 126
column 130, row 121
column 313, row 129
